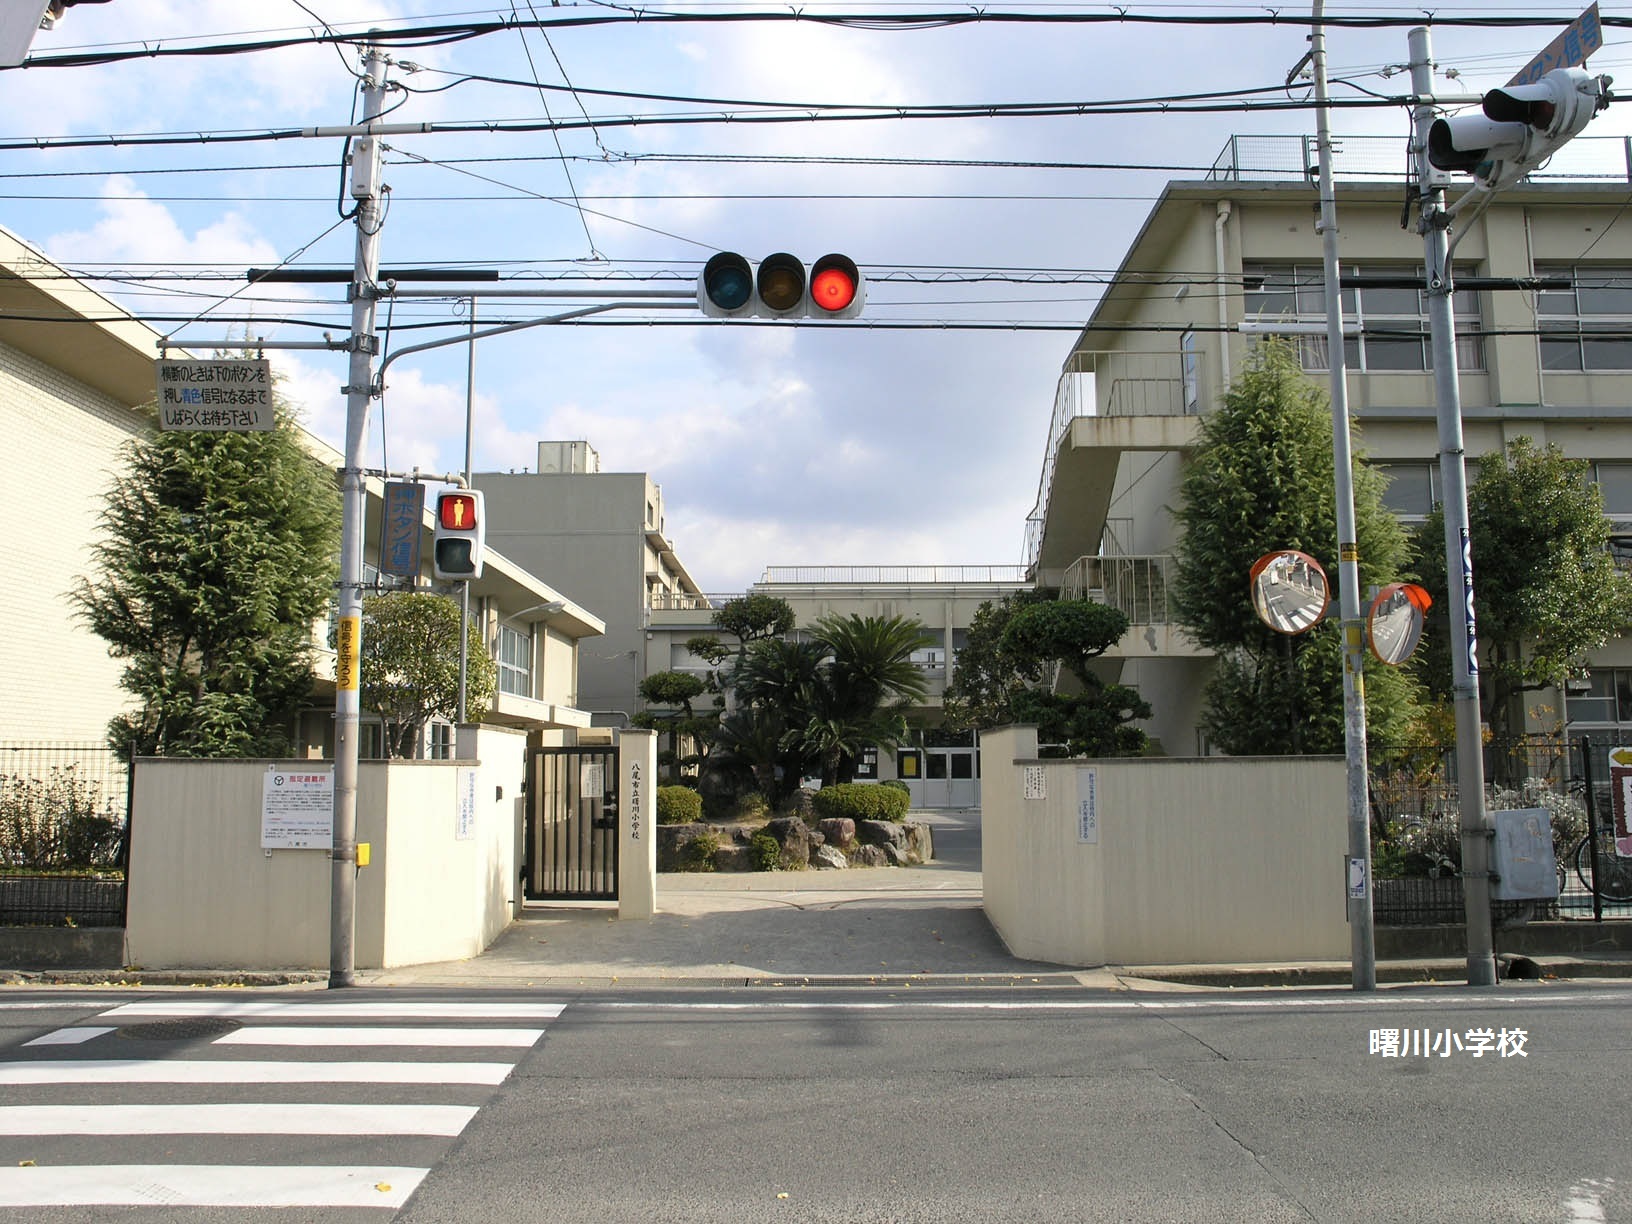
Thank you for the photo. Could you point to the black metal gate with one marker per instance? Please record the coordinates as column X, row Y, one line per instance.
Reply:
column 572, row 825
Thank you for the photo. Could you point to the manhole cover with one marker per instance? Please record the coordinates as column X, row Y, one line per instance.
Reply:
column 179, row 1030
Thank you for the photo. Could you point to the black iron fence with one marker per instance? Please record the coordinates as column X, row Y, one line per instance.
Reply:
column 1416, row 843
column 64, row 807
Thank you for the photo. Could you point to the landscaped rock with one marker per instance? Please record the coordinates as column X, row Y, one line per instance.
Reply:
column 828, row 857
column 897, row 856
column 881, row 833
column 674, row 845
column 868, row 856
column 802, row 803
column 920, row 845
column 840, row 830
column 793, row 835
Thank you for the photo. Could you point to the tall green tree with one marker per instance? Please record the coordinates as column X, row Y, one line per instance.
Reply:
column 217, row 558
column 987, row 677
column 1260, row 480
column 1546, row 590
column 409, row 671
column 669, row 695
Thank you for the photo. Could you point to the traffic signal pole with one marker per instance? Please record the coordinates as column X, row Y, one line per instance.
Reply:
column 365, row 189
column 1477, row 831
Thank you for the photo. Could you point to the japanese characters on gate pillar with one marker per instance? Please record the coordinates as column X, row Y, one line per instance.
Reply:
column 637, row 818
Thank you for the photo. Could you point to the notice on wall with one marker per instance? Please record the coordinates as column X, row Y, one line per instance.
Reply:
column 1036, row 786
column 591, row 780
column 297, row 809
column 1088, row 806
column 464, row 822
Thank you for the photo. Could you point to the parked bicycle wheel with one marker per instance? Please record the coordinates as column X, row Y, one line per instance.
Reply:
column 1614, row 881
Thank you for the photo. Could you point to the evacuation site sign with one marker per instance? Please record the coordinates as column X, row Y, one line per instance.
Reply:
column 233, row 396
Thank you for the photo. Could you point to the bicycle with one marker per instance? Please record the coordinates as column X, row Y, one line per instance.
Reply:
column 1614, row 877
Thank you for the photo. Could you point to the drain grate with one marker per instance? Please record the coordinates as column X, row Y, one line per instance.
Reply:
column 179, row 1030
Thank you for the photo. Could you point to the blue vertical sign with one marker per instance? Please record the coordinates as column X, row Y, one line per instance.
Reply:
column 1467, row 604
column 399, row 534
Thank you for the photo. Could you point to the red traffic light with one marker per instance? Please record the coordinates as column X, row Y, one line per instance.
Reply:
column 834, row 284
column 457, row 511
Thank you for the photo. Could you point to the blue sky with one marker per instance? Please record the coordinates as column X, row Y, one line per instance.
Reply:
column 774, row 445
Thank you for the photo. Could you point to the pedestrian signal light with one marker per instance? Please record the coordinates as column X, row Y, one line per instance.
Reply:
column 730, row 287
column 1519, row 127
column 461, row 530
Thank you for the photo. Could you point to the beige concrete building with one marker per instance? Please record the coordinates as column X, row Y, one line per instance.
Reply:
column 1161, row 347
column 77, row 381
column 602, row 538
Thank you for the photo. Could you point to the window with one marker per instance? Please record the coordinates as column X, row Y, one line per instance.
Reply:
column 1395, row 337
column 1413, row 491
column 1603, row 699
column 1614, row 481
column 515, row 661
column 1587, row 326
column 441, row 742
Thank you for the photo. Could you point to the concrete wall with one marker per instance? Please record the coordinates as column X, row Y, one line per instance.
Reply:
column 203, row 893
column 1196, row 861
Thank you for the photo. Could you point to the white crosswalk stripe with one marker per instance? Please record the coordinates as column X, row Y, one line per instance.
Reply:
column 389, row 1073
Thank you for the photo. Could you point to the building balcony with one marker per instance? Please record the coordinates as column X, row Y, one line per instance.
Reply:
column 1139, row 588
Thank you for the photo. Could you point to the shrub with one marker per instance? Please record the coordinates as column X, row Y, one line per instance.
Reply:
column 700, row 851
column 897, row 784
column 765, row 852
column 862, row 801
column 678, row 805
column 54, row 822
column 751, row 807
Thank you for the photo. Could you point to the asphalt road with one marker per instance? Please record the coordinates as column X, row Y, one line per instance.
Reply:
column 840, row 1104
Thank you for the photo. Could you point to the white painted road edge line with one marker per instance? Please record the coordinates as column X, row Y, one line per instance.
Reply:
column 177, row 1071
column 386, row 1187
column 314, row 1035
column 445, row 1121
column 1370, row 1002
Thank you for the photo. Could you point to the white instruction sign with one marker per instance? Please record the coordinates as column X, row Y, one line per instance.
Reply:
column 1035, row 783
column 297, row 809
column 464, row 824
column 1088, row 806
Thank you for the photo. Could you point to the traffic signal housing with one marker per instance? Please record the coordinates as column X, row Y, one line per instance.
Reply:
column 1520, row 127
column 461, row 535
column 780, row 287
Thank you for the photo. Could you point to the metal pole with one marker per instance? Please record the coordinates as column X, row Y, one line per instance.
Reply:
column 464, row 587
column 365, row 174
column 1362, row 939
column 1476, row 829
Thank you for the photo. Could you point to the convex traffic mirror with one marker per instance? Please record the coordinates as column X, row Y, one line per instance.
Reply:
column 1289, row 591
column 1394, row 622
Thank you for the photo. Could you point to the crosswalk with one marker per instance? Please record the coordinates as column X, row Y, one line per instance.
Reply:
column 269, row 1103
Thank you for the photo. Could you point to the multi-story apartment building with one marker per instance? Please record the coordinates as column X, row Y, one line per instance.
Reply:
column 1242, row 246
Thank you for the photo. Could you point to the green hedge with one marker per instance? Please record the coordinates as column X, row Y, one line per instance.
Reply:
column 678, row 805
column 862, row 801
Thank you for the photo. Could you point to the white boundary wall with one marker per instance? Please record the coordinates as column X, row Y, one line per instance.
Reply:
column 203, row 893
column 1197, row 861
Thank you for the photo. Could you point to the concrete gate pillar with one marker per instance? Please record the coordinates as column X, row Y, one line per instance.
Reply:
column 637, row 823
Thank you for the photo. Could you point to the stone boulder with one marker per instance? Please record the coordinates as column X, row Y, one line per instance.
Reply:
column 826, row 857
column 868, row 856
column 881, row 833
column 920, row 845
column 734, row 857
column 793, row 835
column 674, row 845
column 897, row 856
column 839, row 830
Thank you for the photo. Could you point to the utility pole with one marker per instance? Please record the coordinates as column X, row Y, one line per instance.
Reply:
column 1476, row 828
column 1362, row 938
column 365, row 189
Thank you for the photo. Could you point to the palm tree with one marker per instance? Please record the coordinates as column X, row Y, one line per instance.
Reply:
column 868, row 683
